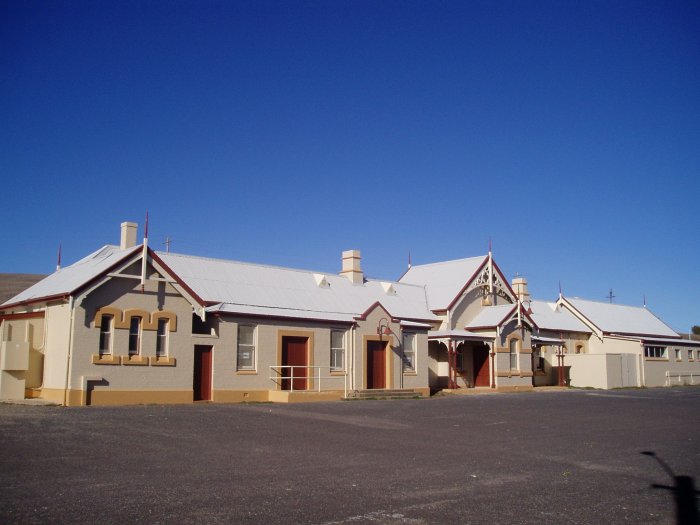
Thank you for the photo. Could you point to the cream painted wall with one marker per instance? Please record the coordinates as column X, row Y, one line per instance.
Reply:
column 57, row 319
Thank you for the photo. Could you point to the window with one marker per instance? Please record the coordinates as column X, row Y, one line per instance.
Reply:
column 678, row 355
column 135, row 336
column 690, row 355
column 106, row 334
column 579, row 349
column 513, row 354
column 337, row 350
column 658, row 352
column 162, row 338
column 409, row 352
column 246, row 347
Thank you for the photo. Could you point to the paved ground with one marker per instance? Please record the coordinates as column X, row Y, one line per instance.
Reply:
column 543, row 457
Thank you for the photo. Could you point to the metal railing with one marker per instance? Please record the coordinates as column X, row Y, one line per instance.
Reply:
column 293, row 373
column 671, row 376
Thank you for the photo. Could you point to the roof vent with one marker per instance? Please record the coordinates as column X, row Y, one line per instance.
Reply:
column 389, row 288
column 321, row 281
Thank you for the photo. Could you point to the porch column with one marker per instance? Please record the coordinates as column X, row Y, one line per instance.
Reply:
column 450, row 351
column 492, row 355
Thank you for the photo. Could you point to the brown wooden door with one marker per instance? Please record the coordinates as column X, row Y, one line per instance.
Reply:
column 481, row 366
column 376, row 364
column 202, row 373
column 294, row 353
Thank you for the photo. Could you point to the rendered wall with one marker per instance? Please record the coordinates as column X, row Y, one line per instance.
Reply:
column 124, row 295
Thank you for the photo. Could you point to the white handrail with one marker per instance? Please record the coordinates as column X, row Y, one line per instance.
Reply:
column 672, row 375
column 277, row 374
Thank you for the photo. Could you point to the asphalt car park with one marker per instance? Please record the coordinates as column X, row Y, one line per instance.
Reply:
column 576, row 456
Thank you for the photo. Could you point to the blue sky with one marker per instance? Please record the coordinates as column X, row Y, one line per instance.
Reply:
column 286, row 132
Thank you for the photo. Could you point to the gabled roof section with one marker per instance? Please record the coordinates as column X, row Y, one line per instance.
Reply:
column 549, row 316
column 246, row 288
column 494, row 316
column 444, row 281
column 620, row 319
column 68, row 280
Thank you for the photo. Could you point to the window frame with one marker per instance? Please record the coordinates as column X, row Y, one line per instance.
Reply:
column 162, row 339
column 334, row 350
column 655, row 352
column 250, row 346
column 134, row 347
column 513, row 353
column 409, row 363
column 108, row 320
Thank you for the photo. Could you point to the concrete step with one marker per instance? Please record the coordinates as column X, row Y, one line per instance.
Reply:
column 384, row 394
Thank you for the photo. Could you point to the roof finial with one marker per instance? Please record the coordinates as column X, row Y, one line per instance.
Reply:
column 144, row 255
column 58, row 260
column 490, row 247
column 560, row 294
column 409, row 259
column 645, row 300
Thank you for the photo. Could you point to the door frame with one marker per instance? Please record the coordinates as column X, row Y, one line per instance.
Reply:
column 476, row 349
column 309, row 352
column 388, row 360
column 198, row 351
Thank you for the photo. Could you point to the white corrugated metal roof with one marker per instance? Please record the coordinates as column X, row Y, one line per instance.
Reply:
column 549, row 317
column 621, row 319
column 280, row 312
column 244, row 285
column 490, row 316
column 70, row 278
column 443, row 280
column 458, row 334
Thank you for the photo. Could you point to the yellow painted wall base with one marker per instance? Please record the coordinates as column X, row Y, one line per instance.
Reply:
column 515, row 388
column 148, row 397
column 284, row 396
column 32, row 393
column 140, row 397
column 240, row 396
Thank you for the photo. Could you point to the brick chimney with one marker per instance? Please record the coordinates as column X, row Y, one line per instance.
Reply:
column 351, row 267
column 128, row 237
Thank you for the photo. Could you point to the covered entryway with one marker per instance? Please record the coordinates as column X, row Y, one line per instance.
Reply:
column 376, row 364
column 294, row 362
column 481, row 366
column 201, row 384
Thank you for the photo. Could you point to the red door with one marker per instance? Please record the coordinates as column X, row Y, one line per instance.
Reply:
column 376, row 364
column 202, row 373
column 294, row 355
column 481, row 366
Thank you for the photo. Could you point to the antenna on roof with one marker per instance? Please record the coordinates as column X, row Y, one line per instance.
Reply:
column 490, row 269
column 144, row 256
column 610, row 296
column 58, row 260
column 168, row 242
